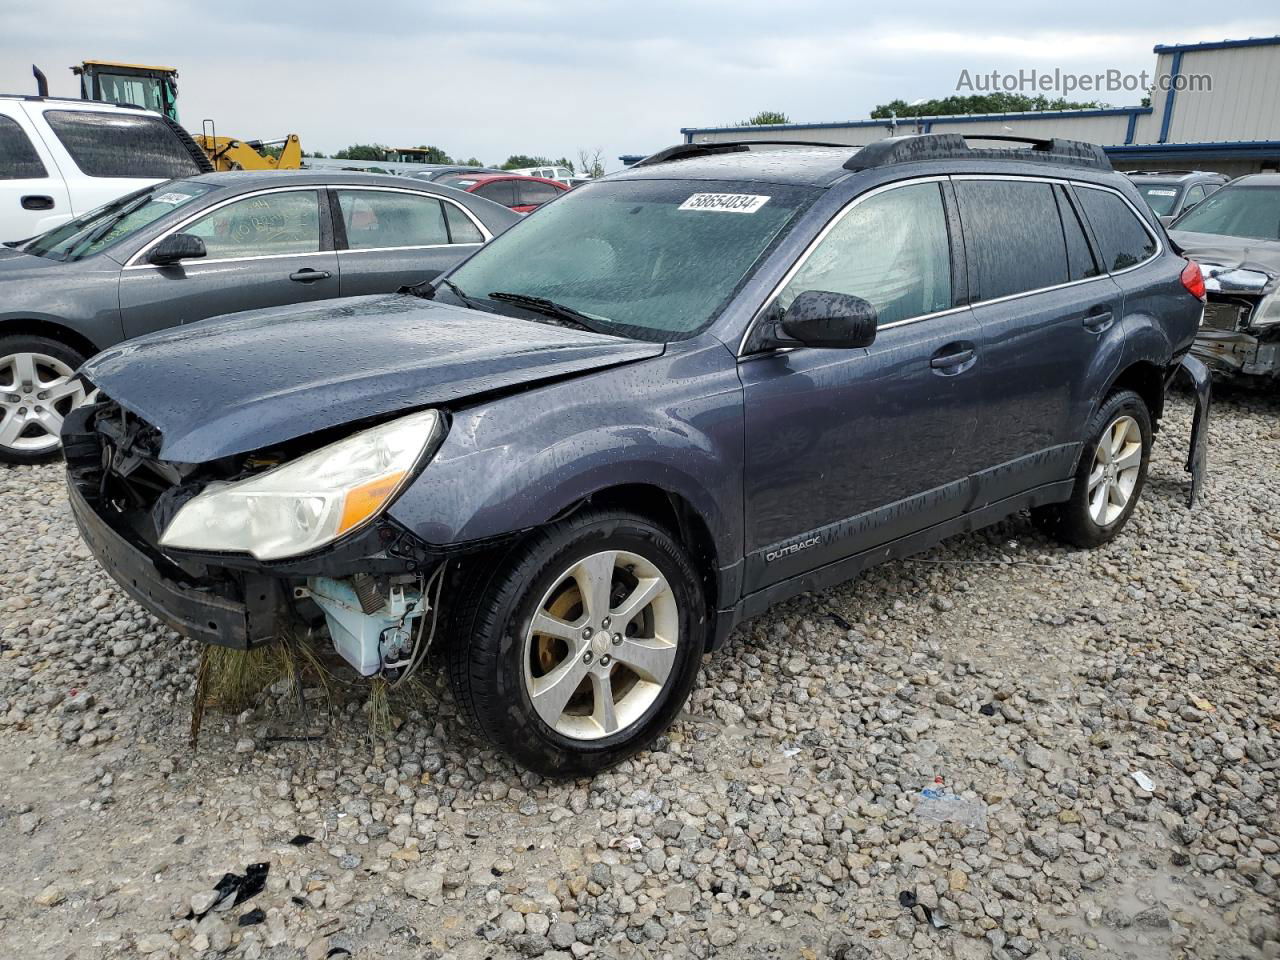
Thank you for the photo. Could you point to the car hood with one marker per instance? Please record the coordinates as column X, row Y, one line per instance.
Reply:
column 15, row 264
column 1237, row 265
column 249, row 380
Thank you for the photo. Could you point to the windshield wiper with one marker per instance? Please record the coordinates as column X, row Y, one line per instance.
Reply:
column 102, row 229
column 549, row 308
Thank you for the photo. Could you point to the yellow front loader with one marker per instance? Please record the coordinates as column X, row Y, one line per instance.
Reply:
column 228, row 153
column 156, row 88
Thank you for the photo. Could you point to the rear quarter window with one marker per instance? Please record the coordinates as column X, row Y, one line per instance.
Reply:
column 113, row 145
column 1123, row 240
column 18, row 157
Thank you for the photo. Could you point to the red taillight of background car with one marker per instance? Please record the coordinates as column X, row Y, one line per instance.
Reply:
column 1193, row 279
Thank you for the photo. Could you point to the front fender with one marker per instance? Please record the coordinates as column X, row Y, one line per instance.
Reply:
column 673, row 422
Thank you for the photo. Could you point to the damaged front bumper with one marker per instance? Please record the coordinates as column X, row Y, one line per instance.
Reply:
column 1237, row 334
column 368, row 588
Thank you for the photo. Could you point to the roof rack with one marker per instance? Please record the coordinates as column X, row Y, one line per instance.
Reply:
column 954, row 146
column 682, row 151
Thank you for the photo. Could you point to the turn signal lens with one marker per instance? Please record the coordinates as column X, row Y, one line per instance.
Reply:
column 364, row 501
column 1193, row 279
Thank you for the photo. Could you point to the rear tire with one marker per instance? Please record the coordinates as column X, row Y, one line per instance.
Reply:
column 603, row 692
column 1109, row 478
column 37, row 390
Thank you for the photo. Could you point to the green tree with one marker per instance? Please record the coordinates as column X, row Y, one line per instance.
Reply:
column 765, row 118
column 362, row 151
column 470, row 162
column 316, row 154
column 978, row 103
column 518, row 160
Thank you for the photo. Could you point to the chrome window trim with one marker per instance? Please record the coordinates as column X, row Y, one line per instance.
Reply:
column 417, row 193
column 421, row 246
column 822, row 234
column 134, row 263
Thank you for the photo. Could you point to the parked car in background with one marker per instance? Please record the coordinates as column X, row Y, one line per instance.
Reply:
column 1235, row 237
column 184, row 250
column 692, row 389
column 1170, row 193
column 554, row 172
column 62, row 158
column 439, row 171
column 522, row 194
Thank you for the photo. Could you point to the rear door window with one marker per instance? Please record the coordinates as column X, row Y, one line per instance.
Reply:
column 1122, row 239
column 1014, row 235
column 500, row 191
column 377, row 219
column 18, row 157
column 1081, row 263
column 461, row 228
column 891, row 250
column 120, row 145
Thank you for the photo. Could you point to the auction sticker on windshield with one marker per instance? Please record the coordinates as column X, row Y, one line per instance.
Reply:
column 725, row 202
column 173, row 198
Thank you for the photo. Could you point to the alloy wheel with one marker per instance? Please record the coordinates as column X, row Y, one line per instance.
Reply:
column 36, row 392
column 1117, row 461
column 601, row 645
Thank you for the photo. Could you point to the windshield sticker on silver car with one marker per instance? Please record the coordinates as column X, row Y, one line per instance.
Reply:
column 725, row 202
column 1162, row 193
column 173, row 198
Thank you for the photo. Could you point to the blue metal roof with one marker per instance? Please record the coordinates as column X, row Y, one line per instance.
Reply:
column 1216, row 45
column 1216, row 149
column 941, row 118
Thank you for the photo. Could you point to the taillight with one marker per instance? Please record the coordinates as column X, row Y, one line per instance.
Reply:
column 1193, row 279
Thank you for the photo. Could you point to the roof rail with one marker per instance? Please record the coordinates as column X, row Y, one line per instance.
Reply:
column 954, row 146
column 37, row 98
column 682, row 151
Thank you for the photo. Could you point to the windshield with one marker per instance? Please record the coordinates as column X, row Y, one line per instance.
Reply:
column 651, row 259
column 1160, row 197
column 109, row 224
column 1237, row 211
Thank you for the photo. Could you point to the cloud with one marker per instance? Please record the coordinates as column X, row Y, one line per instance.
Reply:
column 495, row 77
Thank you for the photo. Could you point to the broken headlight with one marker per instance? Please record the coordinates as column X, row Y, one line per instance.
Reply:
column 308, row 502
column 1267, row 313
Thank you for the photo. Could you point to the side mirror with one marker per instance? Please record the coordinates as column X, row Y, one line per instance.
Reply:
column 175, row 247
column 817, row 318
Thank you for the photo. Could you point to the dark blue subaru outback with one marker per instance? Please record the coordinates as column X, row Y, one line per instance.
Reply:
column 665, row 401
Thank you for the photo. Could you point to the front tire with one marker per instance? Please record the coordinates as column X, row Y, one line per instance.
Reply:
column 37, row 390
column 1109, row 478
column 582, row 646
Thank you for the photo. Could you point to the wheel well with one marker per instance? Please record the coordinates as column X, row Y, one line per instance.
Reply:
column 675, row 514
column 1147, row 381
column 54, row 331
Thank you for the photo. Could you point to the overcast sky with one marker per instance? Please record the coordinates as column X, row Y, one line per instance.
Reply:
column 495, row 77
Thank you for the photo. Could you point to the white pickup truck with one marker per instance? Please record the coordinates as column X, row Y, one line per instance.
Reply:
column 61, row 158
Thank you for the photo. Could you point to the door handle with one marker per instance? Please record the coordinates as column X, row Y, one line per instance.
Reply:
column 35, row 201
column 307, row 275
column 1098, row 321
column 944, row 360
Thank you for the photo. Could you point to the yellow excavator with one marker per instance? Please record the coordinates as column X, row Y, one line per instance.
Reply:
column 156, row 88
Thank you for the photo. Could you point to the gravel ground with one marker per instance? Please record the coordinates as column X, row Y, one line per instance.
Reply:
column 1098, row 733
